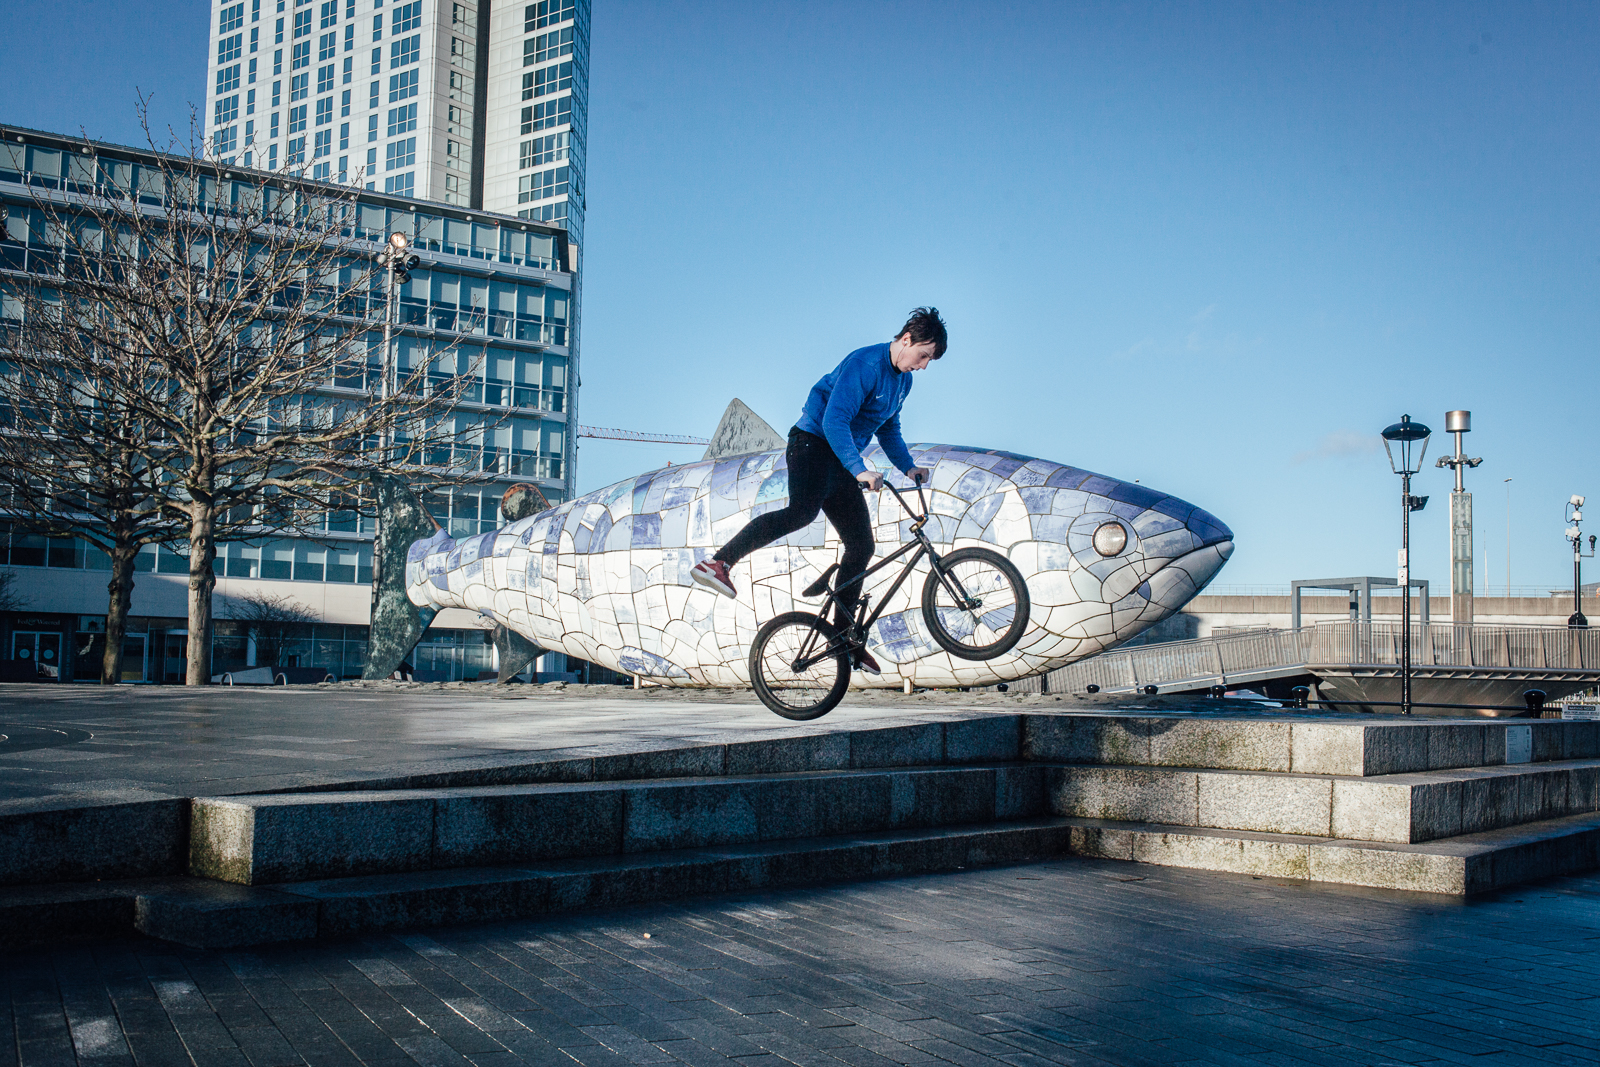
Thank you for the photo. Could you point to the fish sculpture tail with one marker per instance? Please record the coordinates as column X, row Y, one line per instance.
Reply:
column 397, row 623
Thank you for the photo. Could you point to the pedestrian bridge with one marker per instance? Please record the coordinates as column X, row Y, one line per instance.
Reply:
column 1359, row 661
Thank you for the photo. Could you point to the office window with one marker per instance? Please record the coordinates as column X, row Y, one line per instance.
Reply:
column 542, row 185
column 325, row 111
column 297, row 118
column 250, row 133
column 407, row 17
column 349, row 38
column 402, row 86
column 349, row 69
column 344, row 168
column 301, row 56
column 377, row 60
column 547, row 46
column 372, row 161
column 296, row 152
column 277, row 97
column 406, row 51
column 250, row 102
column 550, row 148
column 344, row 138
column 299, row 87
column 255, row 39
column 400, row 154
column 344, row 104
column 325, row 79
column 373, row 102
column 400, row 184
column 227, row 110
column 272, row 157
column 225, row 140
column 330, row 13
column 228, row 79
column 231, row 18
column 277, row 33
column 230, row 48
column 323, row 144
column 547, row 113
column 277, row 61
column 255, row 10
column 302, row 23
column 274, row 134
column 377, row 26
column 319, row 172
column 547, row 80
column 327, row 45
column 548, row 13
column 402, row 119
column 372, row 127
column 349, row 9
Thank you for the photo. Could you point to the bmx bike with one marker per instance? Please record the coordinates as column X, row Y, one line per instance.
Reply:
column 974, row 602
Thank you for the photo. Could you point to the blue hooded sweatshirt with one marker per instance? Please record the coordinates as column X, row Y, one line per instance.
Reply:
column 860, row 397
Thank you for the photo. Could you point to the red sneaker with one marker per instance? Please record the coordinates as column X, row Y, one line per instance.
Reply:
column 865, row 663
column 713, row 574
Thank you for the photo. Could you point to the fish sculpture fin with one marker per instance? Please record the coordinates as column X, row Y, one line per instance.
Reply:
column 397, row 624
column 741, row 431
column 522, row 500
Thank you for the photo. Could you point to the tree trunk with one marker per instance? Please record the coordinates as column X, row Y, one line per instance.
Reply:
column 202, row 583
column 118, row 608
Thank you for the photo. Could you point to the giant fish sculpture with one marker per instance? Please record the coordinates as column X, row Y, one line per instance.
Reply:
column 605, row 577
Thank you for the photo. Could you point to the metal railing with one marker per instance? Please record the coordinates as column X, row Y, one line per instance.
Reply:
column 1266, row 653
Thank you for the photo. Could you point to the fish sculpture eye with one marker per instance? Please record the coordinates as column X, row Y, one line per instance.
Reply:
column 1110, row 539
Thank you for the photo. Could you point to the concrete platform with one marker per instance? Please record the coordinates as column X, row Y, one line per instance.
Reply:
column 476, row 803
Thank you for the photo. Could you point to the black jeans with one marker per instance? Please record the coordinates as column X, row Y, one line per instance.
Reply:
column 817, row 482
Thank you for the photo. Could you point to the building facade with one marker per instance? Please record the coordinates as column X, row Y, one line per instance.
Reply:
column 497, row 289
column 466, row 103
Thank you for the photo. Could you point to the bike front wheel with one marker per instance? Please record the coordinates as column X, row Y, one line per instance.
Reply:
column 793, row 670
column 975, row 603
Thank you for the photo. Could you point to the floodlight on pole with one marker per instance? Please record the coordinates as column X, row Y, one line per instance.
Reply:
column 1575, row 535
column 1410, row 440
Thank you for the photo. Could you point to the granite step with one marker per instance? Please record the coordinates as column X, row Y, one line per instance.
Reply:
column 1457, row 866
column 203, row 913
column 1404, row 808
column 1304, row 743
column 262, row 840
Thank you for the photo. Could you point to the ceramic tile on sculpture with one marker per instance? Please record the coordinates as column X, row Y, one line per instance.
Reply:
column 721, row 508
column 722, row 530
column 774, row 486
column 686, row 639
column 651, row 606
column 725, row 479
column 698, row 611
column 1011, row 523
column 700, row 522
column 675, row 527
column 812, row 536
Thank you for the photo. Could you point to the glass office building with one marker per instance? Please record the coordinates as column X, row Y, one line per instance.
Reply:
column 498, row 288
column 470, row 104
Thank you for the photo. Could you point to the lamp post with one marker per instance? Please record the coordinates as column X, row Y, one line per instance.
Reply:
column 1409, row 436
column 1575, row 535
column 397, row 262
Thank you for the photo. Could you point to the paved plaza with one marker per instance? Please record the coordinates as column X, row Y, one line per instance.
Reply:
column 1069, row 962
column 85, row 739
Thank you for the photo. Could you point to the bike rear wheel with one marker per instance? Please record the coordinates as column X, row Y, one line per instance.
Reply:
column 812, row 691
column 995, row 622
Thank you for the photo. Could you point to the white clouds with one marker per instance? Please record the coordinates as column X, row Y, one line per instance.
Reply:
column 1340, row 444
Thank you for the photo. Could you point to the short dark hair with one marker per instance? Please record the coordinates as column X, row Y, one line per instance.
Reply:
column 924, row 325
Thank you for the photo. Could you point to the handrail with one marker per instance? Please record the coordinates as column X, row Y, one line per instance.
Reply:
column 1341, row 643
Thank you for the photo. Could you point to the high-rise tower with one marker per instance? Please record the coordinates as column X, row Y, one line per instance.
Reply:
column 478, row 104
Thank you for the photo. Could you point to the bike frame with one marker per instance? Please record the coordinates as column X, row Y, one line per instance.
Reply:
column 919, row 546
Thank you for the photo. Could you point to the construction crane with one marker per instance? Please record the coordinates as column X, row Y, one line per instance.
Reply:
column 607, row 434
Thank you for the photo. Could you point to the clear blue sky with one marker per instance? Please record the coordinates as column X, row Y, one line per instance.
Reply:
column 1215, row 247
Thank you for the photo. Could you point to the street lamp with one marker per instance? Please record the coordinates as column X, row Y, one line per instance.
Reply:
column 1575, row 535
column 1409, row 436
column 397, row 262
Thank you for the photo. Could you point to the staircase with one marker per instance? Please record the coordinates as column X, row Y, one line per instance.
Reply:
column 1432, row 806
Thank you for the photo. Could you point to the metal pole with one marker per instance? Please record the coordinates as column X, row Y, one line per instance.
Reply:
column 1405, row 593
column 389, row 295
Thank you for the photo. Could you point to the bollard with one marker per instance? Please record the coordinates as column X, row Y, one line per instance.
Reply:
column 1093, row 688
column 1218, row 692
column 1301, row 694
column 1534, row 698
column 1149, row 690
column 1003, row 687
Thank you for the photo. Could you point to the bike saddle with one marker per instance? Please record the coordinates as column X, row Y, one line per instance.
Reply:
column 820, row 586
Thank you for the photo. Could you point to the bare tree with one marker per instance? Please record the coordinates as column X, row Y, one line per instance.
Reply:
column 10, row 599
column 242, row 299
column 271, row 621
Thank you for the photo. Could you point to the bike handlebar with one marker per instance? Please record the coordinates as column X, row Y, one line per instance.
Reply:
column 922, row 500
